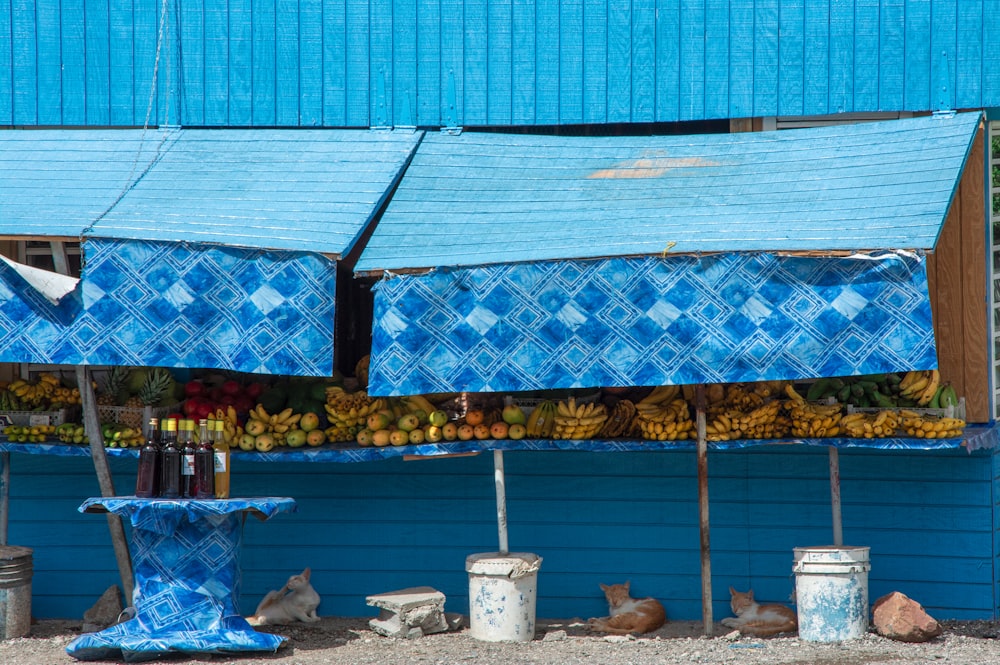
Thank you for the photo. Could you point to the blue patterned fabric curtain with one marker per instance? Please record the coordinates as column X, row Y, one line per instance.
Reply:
column 179, row 305
column 719, row 318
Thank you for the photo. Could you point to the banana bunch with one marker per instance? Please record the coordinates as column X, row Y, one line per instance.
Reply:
column 658, row 396
column 769, row 388
column 664, row 422
column 920, row 386
column 28, row 433
column 232, row 430
column 723, row 426
column 277, row 425
column 347, row 412
column 862, row 425
column 764, row 422
column 541, row 421
column 119, row 436
column 11, row 402
column 35, row 393
column 739, row 397
column 809, row 419
column 578, row 421
column 926, row 426
column 619, row 422
column 72, row 433
column 863, row 391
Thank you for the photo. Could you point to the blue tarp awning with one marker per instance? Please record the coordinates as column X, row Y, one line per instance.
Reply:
column 514, row 263
column 202, row 248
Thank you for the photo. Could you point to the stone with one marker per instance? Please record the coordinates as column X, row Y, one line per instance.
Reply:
column 409, row 613
column 898, row 617
column 104, row 612
column 554, row 636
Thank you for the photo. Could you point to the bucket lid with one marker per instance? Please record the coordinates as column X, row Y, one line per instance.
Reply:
column 8, row 552
column 505, row 564
column 841, row 554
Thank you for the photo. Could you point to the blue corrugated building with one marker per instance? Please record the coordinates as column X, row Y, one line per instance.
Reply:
column 510, row 179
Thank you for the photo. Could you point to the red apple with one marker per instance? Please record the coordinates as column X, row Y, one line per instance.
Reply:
column 231, row 387
column 194, row 388
column 254, row 390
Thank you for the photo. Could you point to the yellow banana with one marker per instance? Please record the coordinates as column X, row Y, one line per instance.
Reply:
column 934, row 379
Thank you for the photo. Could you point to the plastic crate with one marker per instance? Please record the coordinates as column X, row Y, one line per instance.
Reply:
column 37, row 417
column 957, row 411
column 136, row 417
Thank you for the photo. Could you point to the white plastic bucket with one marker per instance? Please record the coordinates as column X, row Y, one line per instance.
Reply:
column 502, row 592
column 15, row 591
column 831, row 592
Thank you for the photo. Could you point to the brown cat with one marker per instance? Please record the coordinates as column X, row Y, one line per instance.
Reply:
column 628, row 615
column 759, row 620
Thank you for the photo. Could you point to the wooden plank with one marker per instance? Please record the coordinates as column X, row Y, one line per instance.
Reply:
column 741, row 68
column 891, row 42
column 97, row 45
column 310, row 70
column 692, row 62
column 816, row 60
column 193, row 64
column 619, row 61
column 73, row 58
column 969, row 72
column 716, row 58
column 949, row 303
column 499, row 58
column 263, row 58
column 286, row 66
column 430, row 84
column 570, row 50
column 668, row 53
column 402, row 88
column 548, row 71
column 217, row 66
column 866, row 55
column 145, row 77
column 241, row 63
column 337, row 50
column 524, row 77
column 49, row 64
column 23, row 83
column 943, row 38
column 842, row 50
column 916, row 85
column 791, row 58
column 359, row 81
column 452, row 59
column 6, row 66
column 595, row 61
column 975, row 386
column 643, row 61
column 765, row 58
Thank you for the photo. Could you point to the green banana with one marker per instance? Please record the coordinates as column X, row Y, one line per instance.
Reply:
column 947, row 396
column 818, row 389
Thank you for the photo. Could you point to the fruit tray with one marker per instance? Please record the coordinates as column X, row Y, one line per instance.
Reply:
column 136, row 417
column 56, row 418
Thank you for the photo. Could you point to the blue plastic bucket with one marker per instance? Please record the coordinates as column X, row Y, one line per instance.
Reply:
column 831, row 592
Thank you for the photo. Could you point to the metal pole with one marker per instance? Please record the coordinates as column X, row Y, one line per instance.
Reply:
column 92, row 426
column 498, row 476
column 706, row 558
column 838, row 528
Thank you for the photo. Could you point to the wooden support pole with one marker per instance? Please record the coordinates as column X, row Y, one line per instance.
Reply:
column 498, row 476
column 92, row 426
column 703, row 523
column 838, row 528
column 4, row 496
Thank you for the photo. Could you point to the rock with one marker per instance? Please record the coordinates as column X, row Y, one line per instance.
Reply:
column 554, row 636
column 105, row 611
column 897, row 617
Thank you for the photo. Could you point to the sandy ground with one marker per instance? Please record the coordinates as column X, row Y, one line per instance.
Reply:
column 349, row 641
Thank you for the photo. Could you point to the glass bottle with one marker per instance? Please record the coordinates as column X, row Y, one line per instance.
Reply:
column 186, row 444
column 170, row 462
column 204, row 464
column 221, row 460
column 147, row 478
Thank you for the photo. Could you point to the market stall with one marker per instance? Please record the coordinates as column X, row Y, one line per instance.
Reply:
column 662, row 260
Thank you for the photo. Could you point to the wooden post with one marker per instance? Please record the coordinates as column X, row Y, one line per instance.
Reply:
column 92, row 426
column 706, row 558
column 4, row 496
column 838, row 529
column 498, row 476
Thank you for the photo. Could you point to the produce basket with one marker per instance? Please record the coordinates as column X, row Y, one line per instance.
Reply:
column 956, row 411
column 30, row 418
column 136, row 417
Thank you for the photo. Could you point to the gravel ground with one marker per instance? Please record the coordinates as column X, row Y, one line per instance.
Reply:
column 348, row 641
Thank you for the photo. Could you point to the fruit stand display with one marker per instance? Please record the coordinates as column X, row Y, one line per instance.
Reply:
column 337, row 413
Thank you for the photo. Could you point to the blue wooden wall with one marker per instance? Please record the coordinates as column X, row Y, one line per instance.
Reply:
column 593, row 517
column 487, row 62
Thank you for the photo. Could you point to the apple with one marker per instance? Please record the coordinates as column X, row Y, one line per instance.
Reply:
column 231, row 387
column 194, row 388
column 517, row 431
column 437, row 418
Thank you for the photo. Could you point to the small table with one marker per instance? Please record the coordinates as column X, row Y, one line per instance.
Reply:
column 185, row 556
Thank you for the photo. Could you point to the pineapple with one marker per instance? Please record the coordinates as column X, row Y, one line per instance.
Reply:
column 114, row 386
column 152, row 392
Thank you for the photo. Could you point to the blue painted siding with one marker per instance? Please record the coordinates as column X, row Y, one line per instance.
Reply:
column 522, row 62
column 593, row 517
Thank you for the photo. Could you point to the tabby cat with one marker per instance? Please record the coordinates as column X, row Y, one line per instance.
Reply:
column 628, row 615
column 759, row 620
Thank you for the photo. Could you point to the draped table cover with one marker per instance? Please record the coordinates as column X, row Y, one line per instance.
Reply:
column 185, row 557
